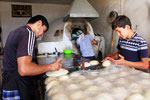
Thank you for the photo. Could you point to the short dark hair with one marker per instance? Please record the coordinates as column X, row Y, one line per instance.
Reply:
column 121, row 21
column 36, row 18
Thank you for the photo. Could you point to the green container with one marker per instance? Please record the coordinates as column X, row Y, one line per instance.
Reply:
column 68, row 51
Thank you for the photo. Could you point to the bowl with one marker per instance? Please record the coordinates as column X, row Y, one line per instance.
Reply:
column 68, row 51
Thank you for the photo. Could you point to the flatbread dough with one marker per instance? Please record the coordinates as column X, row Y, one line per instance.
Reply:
column 94, row 62
column 106, row 63
column 60, row 72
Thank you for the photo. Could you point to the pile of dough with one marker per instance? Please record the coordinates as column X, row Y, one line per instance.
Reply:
column 135, row 96
column 94, row 62
column 106, row 63
column 60, row 72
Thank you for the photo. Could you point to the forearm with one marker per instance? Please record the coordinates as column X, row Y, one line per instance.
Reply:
column 27, row 68
column 139, row 65
column 31, row 69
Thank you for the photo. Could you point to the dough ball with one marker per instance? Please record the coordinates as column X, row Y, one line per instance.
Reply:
column 112, row 77
column 80, row 79
column 86, row 83
column 135, row 88
column 104, row 96
column 77, row 95
column 72, row 87
column 54, row 90
column 123, row 74
column 94, row 62
column 144, row 82
column 146, row 94
column 63, row 78
column 51, row 84
column 49, row 79
column 135, row 96
column 106, row 63
column 104, row 73
column 74, row 74
column 59, row 96
column 99, row 80
column 92, row 90
column 145, row 75
column 60, row 72
column 122, row 81
column 106, row 85
column 119, row 92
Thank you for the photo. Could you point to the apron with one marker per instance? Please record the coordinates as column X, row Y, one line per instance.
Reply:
column 13, row 81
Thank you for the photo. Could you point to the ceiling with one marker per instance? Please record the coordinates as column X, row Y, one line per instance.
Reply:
column 41, row 1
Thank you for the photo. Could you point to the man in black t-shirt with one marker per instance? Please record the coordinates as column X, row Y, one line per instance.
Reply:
column 18, row 55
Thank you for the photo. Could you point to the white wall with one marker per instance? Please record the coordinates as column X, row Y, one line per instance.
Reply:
column 8, row 23
column 137, row 10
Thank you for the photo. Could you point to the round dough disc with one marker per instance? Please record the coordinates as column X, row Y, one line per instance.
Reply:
column 60, row 72
column 94, row 62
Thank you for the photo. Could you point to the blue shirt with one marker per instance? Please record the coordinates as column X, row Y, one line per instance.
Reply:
column 86, row 46
column 133, row 49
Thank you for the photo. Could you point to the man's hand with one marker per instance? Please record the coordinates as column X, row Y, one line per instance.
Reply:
column 56, row 65
column 120, row 61
column 108, row 58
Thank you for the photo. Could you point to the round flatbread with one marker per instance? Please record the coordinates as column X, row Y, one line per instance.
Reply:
column 60, row 72
column 94, row 62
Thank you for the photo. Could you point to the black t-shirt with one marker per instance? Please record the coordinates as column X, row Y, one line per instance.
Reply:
column 20, row 42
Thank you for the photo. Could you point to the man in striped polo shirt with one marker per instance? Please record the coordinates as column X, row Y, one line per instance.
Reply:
column 19, row 69
column 132, row 48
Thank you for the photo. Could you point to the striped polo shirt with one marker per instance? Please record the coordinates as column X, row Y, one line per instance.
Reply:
column 133, row 49
column 20, row 42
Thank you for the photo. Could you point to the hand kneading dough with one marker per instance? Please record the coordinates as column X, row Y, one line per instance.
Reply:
column 135, row 96
column 94, row 62
column 60, row 72
column 106, row 63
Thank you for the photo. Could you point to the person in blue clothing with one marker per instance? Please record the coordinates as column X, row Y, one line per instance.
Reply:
column 19, row 69
column 132, row 48
column 85, row 42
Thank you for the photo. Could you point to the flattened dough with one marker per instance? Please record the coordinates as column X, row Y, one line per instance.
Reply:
column 60, row 72
column 94, row 62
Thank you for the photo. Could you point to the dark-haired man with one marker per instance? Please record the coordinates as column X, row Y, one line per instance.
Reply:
column 132, row 48
column 19, row 52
